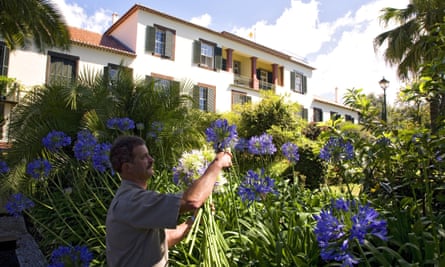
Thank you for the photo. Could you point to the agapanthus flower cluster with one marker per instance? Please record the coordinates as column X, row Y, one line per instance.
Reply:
column 155, row 129
column 56, row 140
column 38, row 168
column 337, row 149
column 100, row 157
column 71, row 256
column 122, row 124
column 256, row 186
column 4, row 168
column 192, row 165
column 242, row 144
column 221, row 135
column 17, row 203
column 383, row 141
column 342, row 222
column 290, row 151
column 84, row 145
column 261, row 145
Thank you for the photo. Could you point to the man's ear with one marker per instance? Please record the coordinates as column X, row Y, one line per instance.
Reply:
column 126, row 166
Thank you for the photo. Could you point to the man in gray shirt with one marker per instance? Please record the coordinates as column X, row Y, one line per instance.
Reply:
column 141, row 224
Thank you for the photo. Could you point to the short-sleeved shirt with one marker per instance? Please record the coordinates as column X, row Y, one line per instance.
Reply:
column 135, row 226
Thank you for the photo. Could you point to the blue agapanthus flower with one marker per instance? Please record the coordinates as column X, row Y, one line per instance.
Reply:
column 84, row 145
column 155, row 129
column 383, row 141
column 38, row 168
column 261, row 145
column 56, row 140
column 122, row 124
column 256, row 186
column 242, row 145
column 290, row 151
column 221, row 135
column 4, row 168
column 17, row 203
column 71, row 256
column 100, row 158
column 337, row 149
column 342, row 222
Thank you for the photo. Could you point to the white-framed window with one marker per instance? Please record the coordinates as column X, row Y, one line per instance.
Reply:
column 318, row 114
column 237, row 67
column 265, row 79
column 160, row 41
column 62, row 68
column 204, row 98
column 240, row 98
column 298, row 82
column 207, row 55
column 112, row 73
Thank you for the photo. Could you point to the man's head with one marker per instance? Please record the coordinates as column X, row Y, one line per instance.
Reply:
column 123, row 151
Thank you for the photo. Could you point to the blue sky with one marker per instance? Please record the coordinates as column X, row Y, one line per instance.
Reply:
column 334, row 36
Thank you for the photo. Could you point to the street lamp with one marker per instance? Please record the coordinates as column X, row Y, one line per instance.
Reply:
column 384, row 84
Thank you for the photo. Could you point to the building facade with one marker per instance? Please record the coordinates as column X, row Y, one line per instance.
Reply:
column 225, row 69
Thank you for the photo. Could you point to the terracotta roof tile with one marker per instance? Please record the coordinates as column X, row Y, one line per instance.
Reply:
column 96, row 40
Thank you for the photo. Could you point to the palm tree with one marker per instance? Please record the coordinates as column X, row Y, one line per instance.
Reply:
column 37, row 20
column 409, row 45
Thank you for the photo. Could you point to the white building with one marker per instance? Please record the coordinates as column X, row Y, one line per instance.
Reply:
column 225, row 68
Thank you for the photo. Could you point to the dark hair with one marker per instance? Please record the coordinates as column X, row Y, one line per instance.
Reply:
column 122, row 150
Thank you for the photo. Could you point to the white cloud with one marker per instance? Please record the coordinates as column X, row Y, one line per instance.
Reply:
column 76, row 16
column 343, row 49
column 204, row 20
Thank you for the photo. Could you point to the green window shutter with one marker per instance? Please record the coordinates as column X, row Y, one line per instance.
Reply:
column 269, row 77
column 149, row 79
column 248, row 99
column 304, row 84
column 218, row 58
column 211, row 100
column 195, row 97
column 304, row 114
column 127, row 72
column 169, row 40
column 196, row 52
column 106, row 76
column 150, row 33
column 4, row 59
column 292, row 80
column 175, row 84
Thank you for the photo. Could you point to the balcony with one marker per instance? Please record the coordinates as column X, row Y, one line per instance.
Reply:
column 245, row 81
column 242, row 81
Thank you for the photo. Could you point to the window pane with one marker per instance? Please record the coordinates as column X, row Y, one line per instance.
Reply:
column 298, row 83
column 203, row 98
column 160, row 42
column 62, row 70
column 207, row 54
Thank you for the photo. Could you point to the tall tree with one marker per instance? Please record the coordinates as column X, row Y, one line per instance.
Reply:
column 36, row 20
column 409, row 45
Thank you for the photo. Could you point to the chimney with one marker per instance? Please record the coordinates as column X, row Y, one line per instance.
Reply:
column 114, row 17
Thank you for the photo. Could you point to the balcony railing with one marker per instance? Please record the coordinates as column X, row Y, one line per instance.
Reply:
column 247, row 82
column 242, row 81
column 266, row 86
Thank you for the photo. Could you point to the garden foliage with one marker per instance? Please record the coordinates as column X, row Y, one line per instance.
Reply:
column 340, row 197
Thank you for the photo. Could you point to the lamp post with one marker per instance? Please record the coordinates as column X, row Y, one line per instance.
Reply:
column 384, row 84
